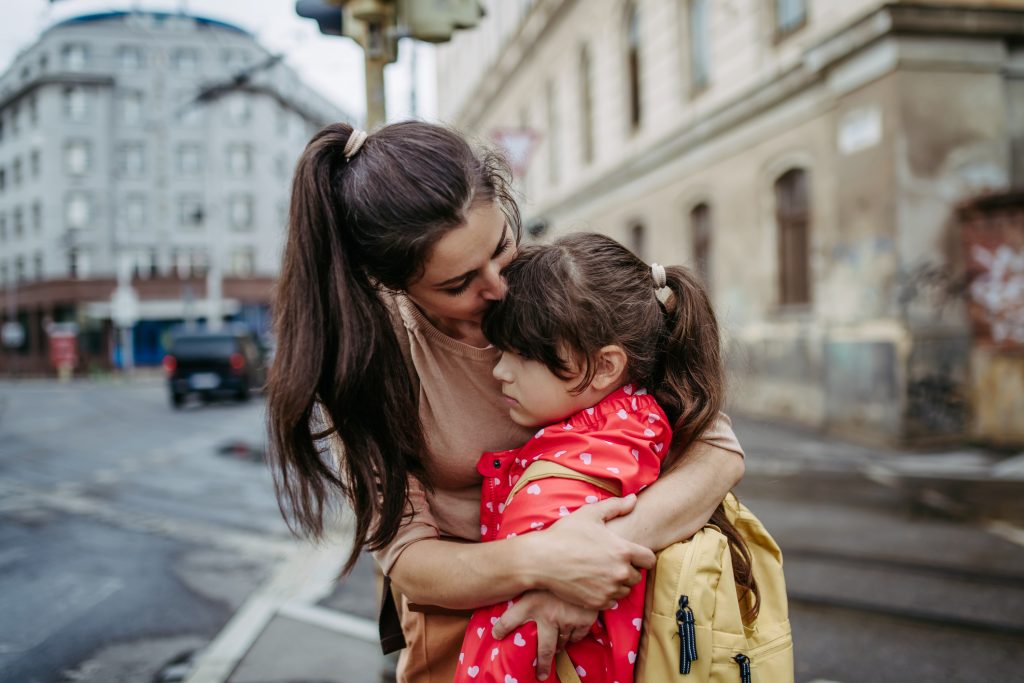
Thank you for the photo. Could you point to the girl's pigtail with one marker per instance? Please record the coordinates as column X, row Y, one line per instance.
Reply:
column 692, row 391
column 336, row 367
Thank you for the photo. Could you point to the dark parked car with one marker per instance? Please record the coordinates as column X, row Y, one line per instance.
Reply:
column 214, row 364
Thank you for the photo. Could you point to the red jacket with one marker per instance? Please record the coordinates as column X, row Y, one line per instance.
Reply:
column 624, row 439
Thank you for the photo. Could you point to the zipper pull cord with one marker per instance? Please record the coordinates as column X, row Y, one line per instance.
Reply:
column 743, row 662
column 687, row 635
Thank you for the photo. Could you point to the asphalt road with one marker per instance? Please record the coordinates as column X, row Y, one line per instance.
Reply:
column 126, row 538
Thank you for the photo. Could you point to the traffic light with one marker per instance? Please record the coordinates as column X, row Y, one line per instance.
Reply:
column 327, row 15
column 434, row 21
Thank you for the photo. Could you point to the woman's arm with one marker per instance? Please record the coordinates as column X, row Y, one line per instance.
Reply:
column 578, row 559
column 677, row 505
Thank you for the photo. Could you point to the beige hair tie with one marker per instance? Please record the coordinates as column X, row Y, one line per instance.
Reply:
column 355, row 142
column 658, row 273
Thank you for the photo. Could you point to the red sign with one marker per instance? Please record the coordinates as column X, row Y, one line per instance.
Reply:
column 63, row 349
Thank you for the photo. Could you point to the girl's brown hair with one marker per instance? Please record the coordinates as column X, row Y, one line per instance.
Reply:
column 569, row 299
column 357, row 229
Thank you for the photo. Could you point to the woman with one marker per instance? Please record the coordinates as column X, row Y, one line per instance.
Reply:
column 395, row 249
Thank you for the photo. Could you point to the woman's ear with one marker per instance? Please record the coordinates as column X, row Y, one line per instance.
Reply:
column 610, row 367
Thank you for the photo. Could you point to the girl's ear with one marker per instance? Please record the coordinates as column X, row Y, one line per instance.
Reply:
column 610, row 367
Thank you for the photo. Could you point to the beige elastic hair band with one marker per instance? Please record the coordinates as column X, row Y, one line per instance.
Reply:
column 658, row 273
column 355, row 143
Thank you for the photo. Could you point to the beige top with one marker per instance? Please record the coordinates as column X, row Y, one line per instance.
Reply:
column 463, row 415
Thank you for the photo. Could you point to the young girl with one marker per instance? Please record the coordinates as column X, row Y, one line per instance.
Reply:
column 618, row 363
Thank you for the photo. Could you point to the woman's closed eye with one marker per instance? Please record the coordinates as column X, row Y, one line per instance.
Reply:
column 461, row 288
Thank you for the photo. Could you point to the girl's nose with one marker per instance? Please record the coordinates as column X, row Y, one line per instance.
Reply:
column 500, row 371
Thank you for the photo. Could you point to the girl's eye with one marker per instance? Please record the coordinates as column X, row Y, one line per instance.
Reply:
column 461, row 289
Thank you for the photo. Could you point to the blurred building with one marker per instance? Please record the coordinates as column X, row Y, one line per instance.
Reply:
column 157, row 145
column 805, row 156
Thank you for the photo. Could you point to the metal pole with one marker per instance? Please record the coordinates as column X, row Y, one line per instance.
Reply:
column 376, row 58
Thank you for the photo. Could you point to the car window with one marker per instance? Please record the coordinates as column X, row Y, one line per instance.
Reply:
column 204, row 347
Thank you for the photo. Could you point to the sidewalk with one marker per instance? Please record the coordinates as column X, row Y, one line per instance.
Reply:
column 301, row 627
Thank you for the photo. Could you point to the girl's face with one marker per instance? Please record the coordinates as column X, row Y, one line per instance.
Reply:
column 537, row 397
column 462, row 275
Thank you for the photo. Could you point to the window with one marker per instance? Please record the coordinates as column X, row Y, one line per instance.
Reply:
column 190, row 263
column 239, row 160
column 76, row 103
column 243, row 262
column 129, row 57
column 15, row 118
column 240, row 212
column 131, row 161
column 239, row 108
column 700, row 234
column 185, row 60
column 3, row 227
column 3, row 179
column 790, row 15
column 586, row 106
column 191, row 213
column 633, row 65
column 638, row 240
column 35, row 163
column 77, row 157
column 793, row 215
column 74, row 57
column 554, row 133
column 33, row 110
column 78, row 210
column 37, row 266
column 19, row 269
column 19, row 222
column 133, row 213
column 190, row 158
column 16, row 175
column 700, row 45
column 130, row 107
column 37, row 217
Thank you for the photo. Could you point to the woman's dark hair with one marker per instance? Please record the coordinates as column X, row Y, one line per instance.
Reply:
column 357, row 229
column 569, row 299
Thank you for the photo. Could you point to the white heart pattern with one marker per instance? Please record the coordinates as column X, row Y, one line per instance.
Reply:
column 633, row 404
column 473, row 671
column 519, row 641
column 637, row 622
column 622, row 414
column 658, row 447
column 613, row 470
column 536, row 526
column 636, row 453
column 649, row 432
column 490, row 506
column 559, row 454
column 591, row 499
column 533, row 489
column 462, row 655
column 510, row 679
column 563, row 511
column 586, row 458
column 483, row 529
column 628, row 389
column 566, row 427
column 651, row 417
column 540, row 433
column 590, row 410
column 641, row 392
column 480, row 632
column 494, row 653
column 494, row 620
column 632, row 657
column 501, row 507
column 581, row 671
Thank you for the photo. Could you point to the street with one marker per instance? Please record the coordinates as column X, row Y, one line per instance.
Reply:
column 134, row 535
column 127, row 539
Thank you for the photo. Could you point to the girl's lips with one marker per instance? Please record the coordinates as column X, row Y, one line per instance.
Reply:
column 510, row 401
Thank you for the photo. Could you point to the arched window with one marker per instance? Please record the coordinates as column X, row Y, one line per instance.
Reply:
column 700, row 234
column 700, row 45
column 792, row 212
column 638, row 240
column 633, row 64
column 586, row 105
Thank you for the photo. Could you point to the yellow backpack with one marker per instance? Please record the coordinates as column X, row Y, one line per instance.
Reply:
column 693, row 630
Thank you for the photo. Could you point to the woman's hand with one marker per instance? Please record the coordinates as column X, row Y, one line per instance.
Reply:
column 582, row 561
column 558, row 623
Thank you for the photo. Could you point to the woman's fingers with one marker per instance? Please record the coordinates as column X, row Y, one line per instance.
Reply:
column 610, row 508
column 514, row 617
column 547, row 645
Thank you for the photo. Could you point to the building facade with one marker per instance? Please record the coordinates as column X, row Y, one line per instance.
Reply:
column 153, row 147
column 807, row 157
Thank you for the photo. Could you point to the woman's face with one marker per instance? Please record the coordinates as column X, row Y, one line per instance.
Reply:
column 462, row 275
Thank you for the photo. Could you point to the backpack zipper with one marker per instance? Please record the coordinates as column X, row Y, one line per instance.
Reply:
column 743, row 662
column 687, row 635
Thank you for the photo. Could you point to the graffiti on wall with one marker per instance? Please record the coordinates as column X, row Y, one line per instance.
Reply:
column 994, row 247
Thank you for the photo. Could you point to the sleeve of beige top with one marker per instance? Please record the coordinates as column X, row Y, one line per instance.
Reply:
column 721, row 435
column 421, row 525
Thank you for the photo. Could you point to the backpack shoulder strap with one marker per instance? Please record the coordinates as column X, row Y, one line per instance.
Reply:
column 544, row 469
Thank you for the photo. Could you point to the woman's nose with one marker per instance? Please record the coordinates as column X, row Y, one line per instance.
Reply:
column 495, row 286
